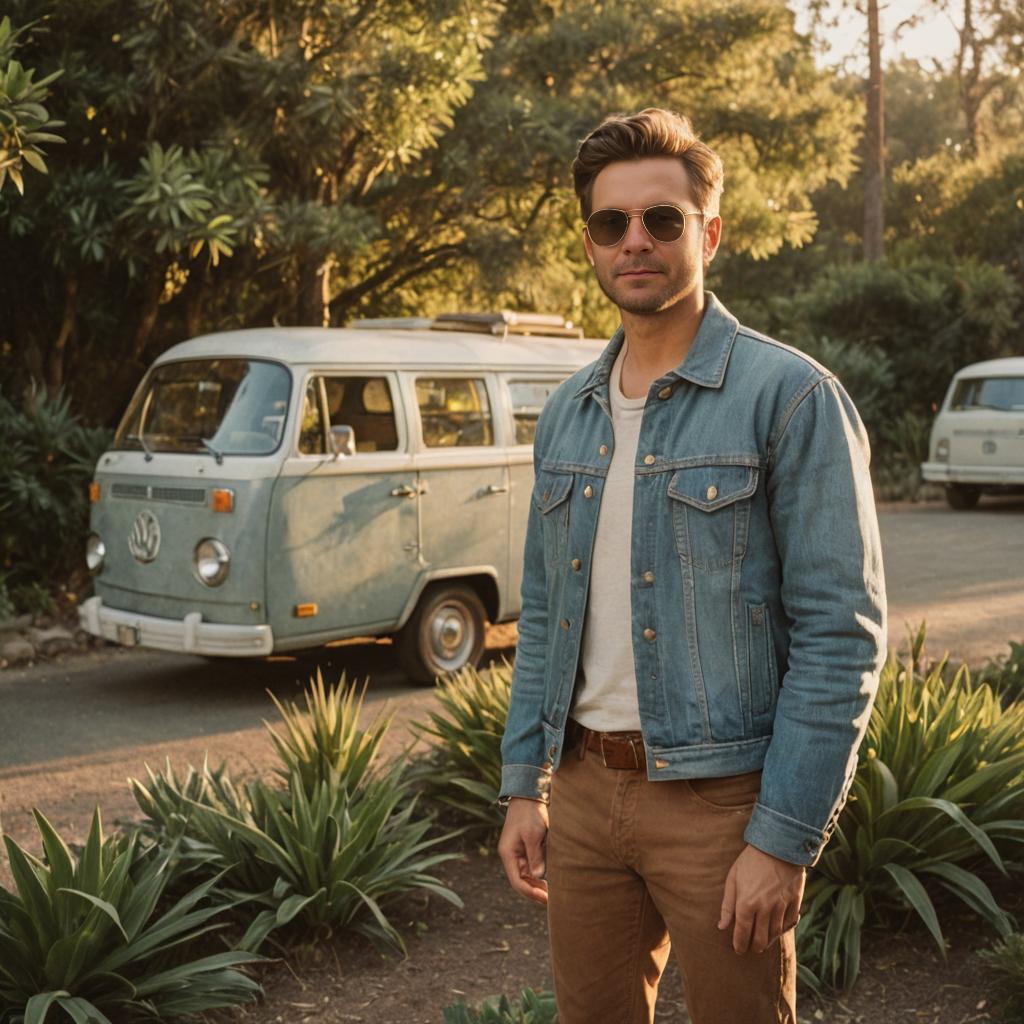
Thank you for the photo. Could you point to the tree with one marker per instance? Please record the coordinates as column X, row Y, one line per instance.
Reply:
column 240, row 162
column 208, row 131
column 25, row 124
column 874, row 157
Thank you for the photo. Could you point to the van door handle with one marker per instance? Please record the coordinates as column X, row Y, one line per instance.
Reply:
column 496, row 489
column 404, row 491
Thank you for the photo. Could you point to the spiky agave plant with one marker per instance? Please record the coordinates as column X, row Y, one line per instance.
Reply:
column 82, row 939
column 531, row 1008
column 332, row 848
column 462, row 769
column 939, row 792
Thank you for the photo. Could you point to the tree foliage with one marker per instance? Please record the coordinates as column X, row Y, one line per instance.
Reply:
column 25, row 124
column 241, row 162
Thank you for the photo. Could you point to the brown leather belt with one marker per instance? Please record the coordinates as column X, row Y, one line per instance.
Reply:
column 621, row 750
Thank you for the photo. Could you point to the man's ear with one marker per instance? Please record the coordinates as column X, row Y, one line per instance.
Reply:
column 712, row 236
column 588, row 247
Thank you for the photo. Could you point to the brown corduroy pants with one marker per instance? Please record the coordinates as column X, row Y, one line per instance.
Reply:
column 636, row 868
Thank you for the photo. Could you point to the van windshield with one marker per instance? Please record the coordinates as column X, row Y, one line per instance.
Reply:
column 1003, row 394
column 217, row 406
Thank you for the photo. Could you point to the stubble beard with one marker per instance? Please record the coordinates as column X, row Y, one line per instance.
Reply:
column 646, row 304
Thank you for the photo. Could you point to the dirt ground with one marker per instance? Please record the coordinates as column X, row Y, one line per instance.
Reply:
column 498, row 944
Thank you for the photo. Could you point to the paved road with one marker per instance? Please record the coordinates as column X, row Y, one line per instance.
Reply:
column 72, row 732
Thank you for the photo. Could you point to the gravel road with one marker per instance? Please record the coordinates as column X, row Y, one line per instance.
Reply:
column 72, row 731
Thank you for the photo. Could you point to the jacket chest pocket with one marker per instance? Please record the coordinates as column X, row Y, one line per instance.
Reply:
column 551, row 499
column 711, row 514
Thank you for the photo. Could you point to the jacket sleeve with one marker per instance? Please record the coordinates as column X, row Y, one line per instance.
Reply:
column 822, row 512
column 525, row 770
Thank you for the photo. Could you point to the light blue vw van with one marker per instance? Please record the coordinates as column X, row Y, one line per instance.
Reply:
column 273, row 490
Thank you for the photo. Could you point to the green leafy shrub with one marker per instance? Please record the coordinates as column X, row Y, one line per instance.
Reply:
column 1006, row 961
column 929, row 316
column 331, row 849
column 462, row 771
column 85, row 936
column 532, row 1008
column 903, row 447
column 939, row 791
column 46, row 462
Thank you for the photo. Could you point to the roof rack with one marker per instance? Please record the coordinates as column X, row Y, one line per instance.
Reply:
column 548, row 325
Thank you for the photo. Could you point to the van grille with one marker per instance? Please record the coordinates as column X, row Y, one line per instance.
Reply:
column 189, row 495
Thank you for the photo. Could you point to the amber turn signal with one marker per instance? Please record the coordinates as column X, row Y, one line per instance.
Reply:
column 94, row 492
column 305, row 611
column 223, row 500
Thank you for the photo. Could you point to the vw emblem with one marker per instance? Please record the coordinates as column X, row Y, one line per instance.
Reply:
column 144, row 540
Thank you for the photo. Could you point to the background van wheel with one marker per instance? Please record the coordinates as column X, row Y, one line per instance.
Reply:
column 962, row 497
column 444, row 633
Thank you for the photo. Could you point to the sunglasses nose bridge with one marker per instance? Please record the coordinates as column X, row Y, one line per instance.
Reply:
column 636, row 234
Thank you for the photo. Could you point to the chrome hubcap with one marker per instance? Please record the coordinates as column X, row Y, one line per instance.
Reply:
column 451, row 635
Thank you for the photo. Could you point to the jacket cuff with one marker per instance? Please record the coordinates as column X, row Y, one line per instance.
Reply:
column 525, row 780
column 784, row 837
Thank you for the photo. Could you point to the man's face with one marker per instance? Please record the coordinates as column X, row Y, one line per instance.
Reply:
column 640, row 274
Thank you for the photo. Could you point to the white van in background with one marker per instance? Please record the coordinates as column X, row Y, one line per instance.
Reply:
column 977, row 440
column 283, row 488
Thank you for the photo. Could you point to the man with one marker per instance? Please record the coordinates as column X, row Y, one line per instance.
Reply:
column 703, row 618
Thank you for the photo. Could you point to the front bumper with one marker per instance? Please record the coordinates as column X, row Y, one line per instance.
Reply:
column 189, row 635
column 995, row 476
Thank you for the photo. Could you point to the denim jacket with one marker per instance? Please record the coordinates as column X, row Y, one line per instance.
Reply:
column 758, row 599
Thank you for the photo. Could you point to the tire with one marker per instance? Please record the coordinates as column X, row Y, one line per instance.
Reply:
column 962, row 497
column 444, row 633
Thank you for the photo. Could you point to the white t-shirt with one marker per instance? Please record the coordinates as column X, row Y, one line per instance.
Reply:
column 606, row 694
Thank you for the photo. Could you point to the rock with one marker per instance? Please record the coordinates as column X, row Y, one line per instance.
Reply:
column 16, row 625
column 16, row 651
column 52, row 641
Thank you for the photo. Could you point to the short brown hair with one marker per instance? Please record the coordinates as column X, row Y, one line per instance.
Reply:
column 652, row 132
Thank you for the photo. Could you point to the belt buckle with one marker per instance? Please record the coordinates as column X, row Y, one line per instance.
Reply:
column 632, row 748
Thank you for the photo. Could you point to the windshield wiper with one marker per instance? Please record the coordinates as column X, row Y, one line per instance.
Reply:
column 145, row 447
column 219, row 456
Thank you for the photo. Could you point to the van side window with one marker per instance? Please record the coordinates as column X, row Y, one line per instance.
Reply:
column 1000, row 394
column 455, row 412
column 364, row 404
column 528, row 398
column 311, row 429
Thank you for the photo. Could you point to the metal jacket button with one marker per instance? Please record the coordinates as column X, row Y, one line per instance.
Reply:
column 588, row 491
column 665, row 392
column 649, row 634
column 712, row 492
column 565, row 623
column 648, row 576
column 649, row 460
column 576, row 563
column 603, row 450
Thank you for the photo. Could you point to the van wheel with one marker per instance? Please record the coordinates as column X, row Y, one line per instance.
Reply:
column 962, row 497
column 444, row 634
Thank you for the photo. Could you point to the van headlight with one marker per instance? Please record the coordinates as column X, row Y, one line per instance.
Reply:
column 211, row 560
column 942, row 450
column 95, row 552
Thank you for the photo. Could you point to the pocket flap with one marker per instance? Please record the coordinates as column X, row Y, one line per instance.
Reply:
column 551, row 490
column 714, row 486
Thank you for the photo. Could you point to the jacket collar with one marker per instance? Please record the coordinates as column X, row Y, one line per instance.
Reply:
column 705, row 362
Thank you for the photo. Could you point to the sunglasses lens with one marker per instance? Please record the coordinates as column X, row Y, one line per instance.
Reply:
column 606, row 227
column 665, row 223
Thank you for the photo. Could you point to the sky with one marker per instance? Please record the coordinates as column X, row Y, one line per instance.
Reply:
column 933, row 35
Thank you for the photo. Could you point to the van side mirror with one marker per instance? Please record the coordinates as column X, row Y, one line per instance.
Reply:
column 342, row 440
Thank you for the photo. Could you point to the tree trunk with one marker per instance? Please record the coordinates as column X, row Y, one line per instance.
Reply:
column 874, row 144
column 55, row 369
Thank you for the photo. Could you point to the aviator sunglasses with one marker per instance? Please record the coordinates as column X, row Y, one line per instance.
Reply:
column 664, row 223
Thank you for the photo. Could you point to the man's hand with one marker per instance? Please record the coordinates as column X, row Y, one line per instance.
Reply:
column 521, row 847
column 762, row 896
